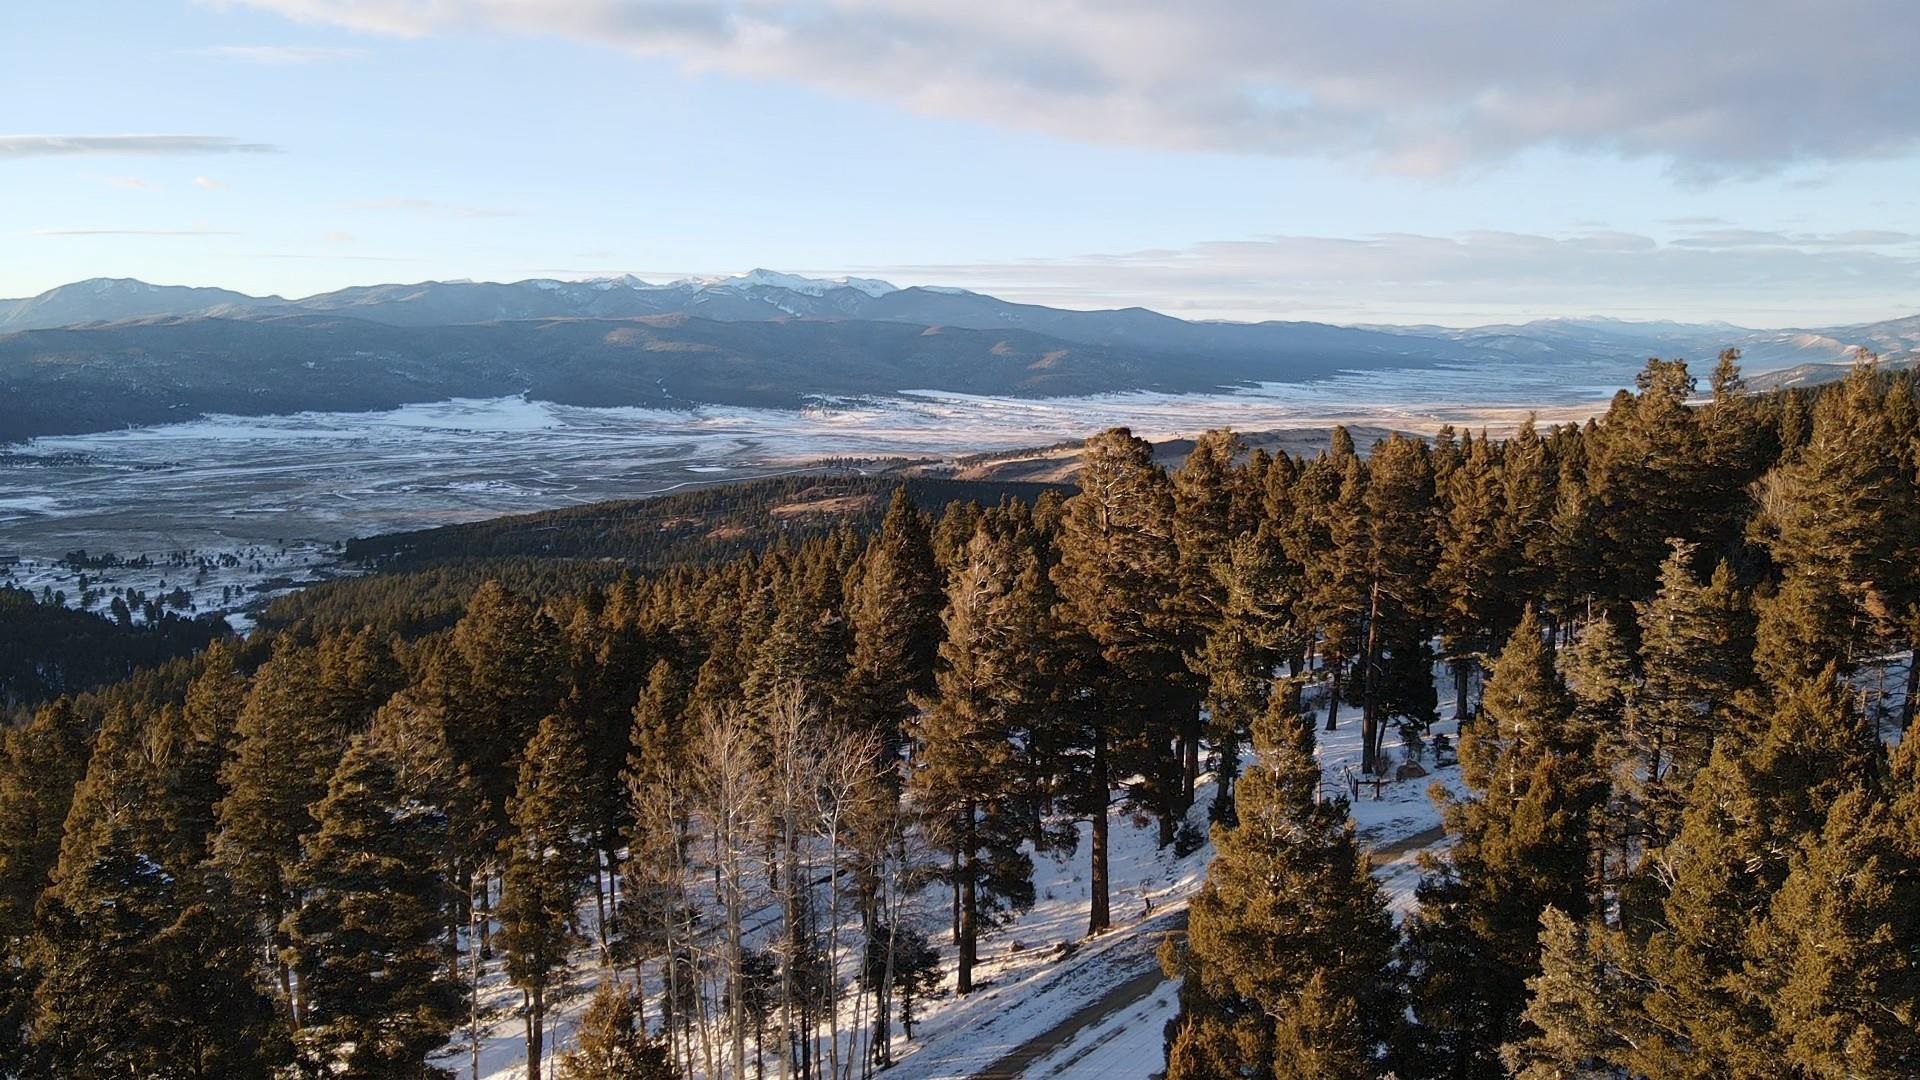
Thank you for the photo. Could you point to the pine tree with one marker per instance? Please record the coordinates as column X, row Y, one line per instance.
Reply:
column 214, row 701
column 1321, row 1037
column 1832, row 961
column 1289, row 924
column 40, row 764
column 366, row 940
column 498, row 676
column 610, row 1045
column 1645, row 473
column 1838, row 519
column 1778, row 880
column 1467, row 575
column 1336, row 597
column 1695, row 641
column 275, row 776
column 1521, row 845
column 549, row 855
column 894, row 613
column 966, row 776
column 1212, row 505
column 137, row 976
column 1236, row 661
column 1528, row 477
column 1398, row 665
column 1116, row 578
column 1751, row 807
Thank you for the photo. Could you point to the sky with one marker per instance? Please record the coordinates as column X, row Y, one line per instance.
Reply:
column 1375, row 161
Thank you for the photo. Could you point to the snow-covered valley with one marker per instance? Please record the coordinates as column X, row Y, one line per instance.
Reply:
column 224, row 489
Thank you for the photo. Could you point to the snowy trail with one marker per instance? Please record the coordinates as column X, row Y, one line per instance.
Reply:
column 1119, row 1035
column 1016, row 1064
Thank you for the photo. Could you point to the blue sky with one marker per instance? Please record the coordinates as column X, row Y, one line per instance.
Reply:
column 1756, row 162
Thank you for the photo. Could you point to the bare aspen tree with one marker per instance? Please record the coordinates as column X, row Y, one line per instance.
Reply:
column 728, row 807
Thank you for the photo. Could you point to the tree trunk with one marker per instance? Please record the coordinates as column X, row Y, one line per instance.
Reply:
column 1223, row 811
column 1333, row 695
column 1099, row 917
column 1190, row 774
column 967, row 944
column 1913, row 687
column 1370, row 690
column 536, row 1030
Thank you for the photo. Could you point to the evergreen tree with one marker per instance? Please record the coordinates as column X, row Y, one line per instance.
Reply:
column 1236, row 662
column 549, row 855
column 1337, row 594
column 894, row 613
column 1398, row 672
column 277, row 773
column 1321, row 1037
column 1645, row 472
column 1839, row 520
column 1212, row 504
column 1695, row 641
column 498, row 676
column 1467, row 575
column 40, row 764
column 212, row 708
column 966, row 776
column 138, row 977
column 610, row 1045
column 1528, row 476
column 1290, row 924
column 1832, row 962
column 1726, row 977
column 365, row 941
column 1116, row 578
column 1521, row 845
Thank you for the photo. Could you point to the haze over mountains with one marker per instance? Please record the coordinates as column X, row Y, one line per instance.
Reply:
column 107, row 353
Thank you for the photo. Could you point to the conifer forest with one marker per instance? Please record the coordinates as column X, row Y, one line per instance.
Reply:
column 752, row 812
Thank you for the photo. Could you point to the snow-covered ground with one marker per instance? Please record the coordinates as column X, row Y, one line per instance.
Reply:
column 229, row 482
column 1040, row 969
column 231, row 581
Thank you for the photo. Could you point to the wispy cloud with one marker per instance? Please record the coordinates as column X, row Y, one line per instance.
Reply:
column 1732, row 238
column 198, row 230
column 1473, row 277
column 131, row 183
column 280, row 55
column 26, row 146
column 1715, row 87
column 336, row 257
column 208, row 183
column 429, row 208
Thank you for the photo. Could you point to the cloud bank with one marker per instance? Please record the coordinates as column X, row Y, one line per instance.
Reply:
column 1714, row 87
column 26, row 146
column 1478, row 277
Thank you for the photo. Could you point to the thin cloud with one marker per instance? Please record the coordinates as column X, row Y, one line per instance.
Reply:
column 131, row 183
column 208, row 183
column 280, row 55
column 195, row 231
column 1715, row 88
column 429, row 208
column 28, row 146
column 335, row 257
column 1466, row 278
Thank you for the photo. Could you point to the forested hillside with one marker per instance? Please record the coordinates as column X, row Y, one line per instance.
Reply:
column 1686, row 848
column 48, row 649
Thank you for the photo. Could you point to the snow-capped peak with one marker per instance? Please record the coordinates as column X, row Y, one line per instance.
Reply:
column 762, row 278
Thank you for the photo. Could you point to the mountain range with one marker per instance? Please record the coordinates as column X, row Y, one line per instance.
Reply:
column 106, row 353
